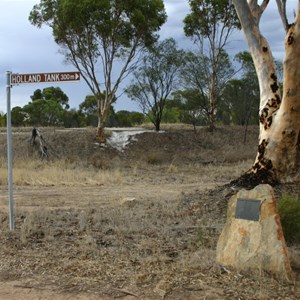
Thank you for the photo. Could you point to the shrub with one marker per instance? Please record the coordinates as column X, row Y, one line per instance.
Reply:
column 155, row 158
column 289, row 211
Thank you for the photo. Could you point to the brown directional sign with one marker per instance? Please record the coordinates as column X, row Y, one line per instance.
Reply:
column 44, row 77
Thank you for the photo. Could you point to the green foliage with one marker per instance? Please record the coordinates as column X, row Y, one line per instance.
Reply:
column 47, row 111
column 123, row 119
column 156, row 79
column 207, row 15
column 18, row 116
column 2, row 119
column 289, row 211
column 239, row 102
column 74, row 118
column 137, row 117
column 194, row 106
column 100, row 21
column 48, row 108
column 172, row 115
column 37, row 95
column 247, row 64
column 210, row 24
column 89, row 105
column 44, row 113
column 126, row 118
column 94, row 35
column 53, row 94
column 89, row 108
column 196, row 74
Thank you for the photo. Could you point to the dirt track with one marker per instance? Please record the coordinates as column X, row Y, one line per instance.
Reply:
column 29, row 199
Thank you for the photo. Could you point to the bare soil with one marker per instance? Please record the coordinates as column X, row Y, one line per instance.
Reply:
column 151, row 235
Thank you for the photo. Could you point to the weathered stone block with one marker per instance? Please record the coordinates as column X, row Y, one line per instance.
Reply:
column 247, row 242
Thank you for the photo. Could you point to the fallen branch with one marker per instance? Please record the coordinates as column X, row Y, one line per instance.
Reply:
column 43, row 149
column 126, row 292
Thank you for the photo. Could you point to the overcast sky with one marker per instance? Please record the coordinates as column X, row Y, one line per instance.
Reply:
column 26, row 49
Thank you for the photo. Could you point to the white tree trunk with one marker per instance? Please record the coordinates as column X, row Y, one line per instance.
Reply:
column 284, row 141
column 278, row 158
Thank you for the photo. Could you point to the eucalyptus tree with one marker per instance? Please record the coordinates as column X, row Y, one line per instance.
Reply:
column 278, row 156
column 239, row 103
column 210, row 24
column 102, row 39
column 43, row 113
column 155, row 79
column 192, row 111
column 51, row 93
column 89, row 108
column 47, row 107
column 18, row 116
column 89, row 105
column 196, row 77
column 240, row 98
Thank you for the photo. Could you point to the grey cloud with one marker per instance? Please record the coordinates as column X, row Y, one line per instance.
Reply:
column 26, row 49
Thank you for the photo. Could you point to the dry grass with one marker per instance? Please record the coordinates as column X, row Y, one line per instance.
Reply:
column 152, row 249
column 64, row 172
column 144, row 221
column 60, row 172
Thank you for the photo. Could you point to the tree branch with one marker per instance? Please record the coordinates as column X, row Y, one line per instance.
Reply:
column 257, row 10
column 263, row 6
column 281, row 4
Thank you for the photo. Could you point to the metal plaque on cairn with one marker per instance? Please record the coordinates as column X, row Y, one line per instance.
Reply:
column 247, row 209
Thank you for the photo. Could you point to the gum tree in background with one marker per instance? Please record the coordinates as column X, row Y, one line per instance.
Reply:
column 52, row 93
column 43, row 113
column 210, row 24
column 47, row 108
column 240, row 98
column 155, row 79
column 278, row 157
column 89, row 107
column 196, row 77
column 102, row 39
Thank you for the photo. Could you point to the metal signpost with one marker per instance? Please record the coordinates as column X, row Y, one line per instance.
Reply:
column 9, row 153
column 16, row 79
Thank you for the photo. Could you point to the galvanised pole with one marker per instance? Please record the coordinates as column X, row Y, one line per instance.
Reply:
column 9, row 152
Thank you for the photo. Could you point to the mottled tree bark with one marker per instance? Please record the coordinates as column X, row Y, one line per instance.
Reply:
column 284, row 139
column 103, row 111
column 278, row 158
column 100, row 134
